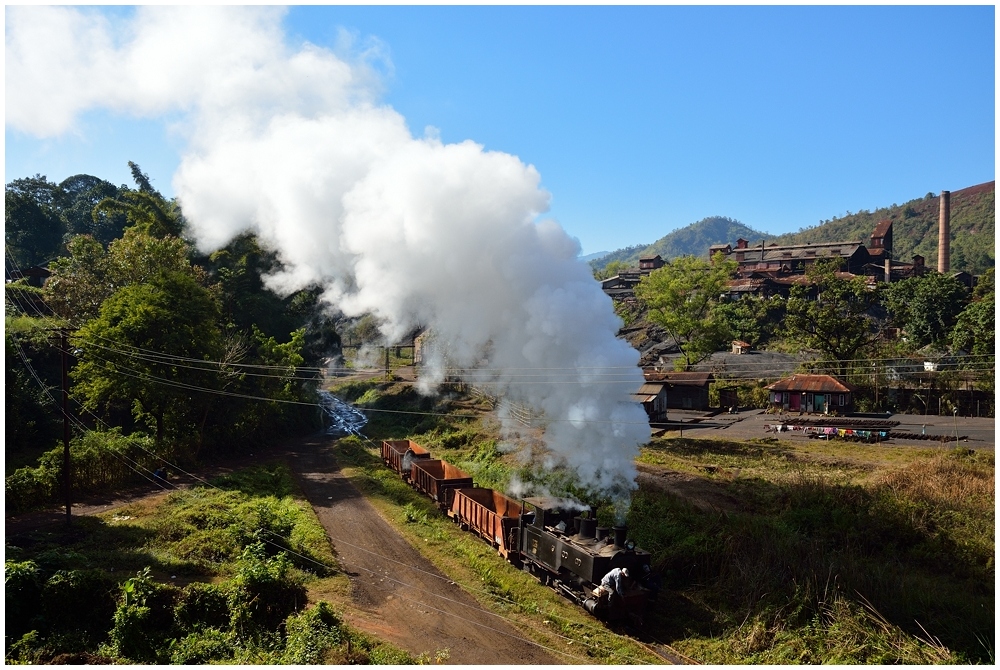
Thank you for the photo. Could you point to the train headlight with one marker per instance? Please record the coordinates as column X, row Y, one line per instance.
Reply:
column 630, row 544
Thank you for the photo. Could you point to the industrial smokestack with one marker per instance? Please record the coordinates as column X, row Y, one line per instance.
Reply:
column 944, row 233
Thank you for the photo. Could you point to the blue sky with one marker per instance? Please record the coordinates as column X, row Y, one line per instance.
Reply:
column 642, row 120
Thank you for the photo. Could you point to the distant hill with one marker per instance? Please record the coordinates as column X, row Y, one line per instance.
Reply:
column 915, row 226
column 691, row 240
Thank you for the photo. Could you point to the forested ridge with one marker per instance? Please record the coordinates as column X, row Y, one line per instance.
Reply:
column 915, row 231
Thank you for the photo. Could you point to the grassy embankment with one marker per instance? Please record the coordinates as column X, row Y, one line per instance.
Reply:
column 813, row 553
column 229, row 573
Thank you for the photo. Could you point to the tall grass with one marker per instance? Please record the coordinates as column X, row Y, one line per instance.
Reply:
column 898, row 568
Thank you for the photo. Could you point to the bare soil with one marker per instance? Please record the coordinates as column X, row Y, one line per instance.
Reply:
column 702, row 493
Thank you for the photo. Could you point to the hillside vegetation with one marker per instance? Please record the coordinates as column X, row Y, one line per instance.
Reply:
column 915, row 231
column 915, row 228
column 692, row 240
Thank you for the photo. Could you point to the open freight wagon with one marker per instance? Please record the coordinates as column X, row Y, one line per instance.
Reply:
column 400, row 455
column 491, row 515
column 438, row 479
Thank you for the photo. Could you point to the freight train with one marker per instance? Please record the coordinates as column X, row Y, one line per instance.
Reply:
column 555, row 539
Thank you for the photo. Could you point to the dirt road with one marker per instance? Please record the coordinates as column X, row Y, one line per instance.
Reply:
column 397, row 595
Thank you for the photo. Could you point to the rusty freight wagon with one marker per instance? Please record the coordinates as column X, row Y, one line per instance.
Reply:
column 490, row 514
column 439, row 479
column 401, row 454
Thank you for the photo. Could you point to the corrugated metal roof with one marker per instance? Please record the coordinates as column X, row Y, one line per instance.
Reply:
column 882, row 228
column 682, row 378
column 812, row 384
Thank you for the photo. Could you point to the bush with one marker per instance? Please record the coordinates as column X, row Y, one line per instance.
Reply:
column 23, row 590
column 29, row 488
column 144, row 618
column 100, row 460
column 201, row 607
column 67, row 593
column 311, row 634
column 262, row 593
column 201, row 648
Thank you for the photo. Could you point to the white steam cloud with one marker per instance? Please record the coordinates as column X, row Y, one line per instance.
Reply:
column 291, row 143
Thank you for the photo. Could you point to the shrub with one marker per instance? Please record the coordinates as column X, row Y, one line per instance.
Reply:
column 144, row 618
column 201, row 607
column 23, row 590
column 311, row 634
column 262, row 593
column 201, row 648
column 67, row 593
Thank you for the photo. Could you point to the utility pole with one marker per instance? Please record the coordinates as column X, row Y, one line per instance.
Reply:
column 386, row 347
column 64, row 349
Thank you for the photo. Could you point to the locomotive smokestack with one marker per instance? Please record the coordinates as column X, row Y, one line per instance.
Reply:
column 587, row 528
column 944, row 233
column 620, row 536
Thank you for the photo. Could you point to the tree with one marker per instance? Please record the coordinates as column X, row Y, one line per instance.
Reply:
column 145, row 208
column 753, row 319
column 682, row 298
column 926, row 307
column 975, row 327
column 33, row 231
column 82, row 281
column 79, row 195
column 842, row 321
column 142, row 351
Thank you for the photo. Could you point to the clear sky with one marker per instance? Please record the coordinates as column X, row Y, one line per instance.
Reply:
column 642, row 120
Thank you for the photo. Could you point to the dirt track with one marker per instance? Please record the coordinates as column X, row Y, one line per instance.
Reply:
column 399, row 596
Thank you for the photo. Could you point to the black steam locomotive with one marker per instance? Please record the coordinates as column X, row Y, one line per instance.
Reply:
column 556, row 539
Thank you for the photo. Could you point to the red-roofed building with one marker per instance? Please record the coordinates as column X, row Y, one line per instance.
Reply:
column 820, row 394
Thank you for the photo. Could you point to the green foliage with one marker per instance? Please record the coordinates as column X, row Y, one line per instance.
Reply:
column 82, row 281
column 171, row 315
column 755, row 320
column 202, row 647
column 262, row 592
column 975, row 327
column 145, row 209
column 311, row 634
column 682, row 297
column 202, row 607
column 32, row 228
column 143, row 619
column 841, row 321
column 22, row 597
column 926, row 307
column 99, row 461
column 611, row 269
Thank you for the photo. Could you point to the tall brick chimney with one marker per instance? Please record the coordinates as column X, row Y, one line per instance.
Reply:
column 944, row 233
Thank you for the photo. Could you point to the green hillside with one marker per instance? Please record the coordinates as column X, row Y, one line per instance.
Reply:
column 973, row 231
column 691, row 240
column 915, row 228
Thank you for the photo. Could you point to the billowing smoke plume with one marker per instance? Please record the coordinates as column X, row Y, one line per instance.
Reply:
column 292, row 145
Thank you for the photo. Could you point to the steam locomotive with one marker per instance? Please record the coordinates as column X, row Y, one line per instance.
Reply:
column 555, row 539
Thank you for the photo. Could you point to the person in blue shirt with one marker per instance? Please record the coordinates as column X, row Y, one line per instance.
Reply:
column 617, row 581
